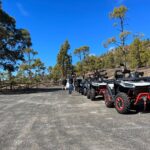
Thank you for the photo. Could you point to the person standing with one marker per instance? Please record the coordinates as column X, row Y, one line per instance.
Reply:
column 70, row 85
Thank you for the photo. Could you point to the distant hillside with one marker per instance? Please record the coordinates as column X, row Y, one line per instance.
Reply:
column 145, row 70
column 111, row 72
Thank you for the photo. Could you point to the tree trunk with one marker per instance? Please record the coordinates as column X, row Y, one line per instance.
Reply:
column 10, row 79
column 123, row 41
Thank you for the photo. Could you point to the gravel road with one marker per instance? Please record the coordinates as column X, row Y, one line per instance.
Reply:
column 54, row 120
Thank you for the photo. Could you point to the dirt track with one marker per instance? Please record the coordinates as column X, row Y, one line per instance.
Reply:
column 57, row 121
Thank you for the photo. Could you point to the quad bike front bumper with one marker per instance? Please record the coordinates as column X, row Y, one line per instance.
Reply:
column 145, row 97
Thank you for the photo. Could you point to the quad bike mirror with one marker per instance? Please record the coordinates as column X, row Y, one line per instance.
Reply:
column 136, row 74
column 118, row 74
column 125, row 73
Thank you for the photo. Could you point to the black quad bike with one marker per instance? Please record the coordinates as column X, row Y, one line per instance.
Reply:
column 83, row 89
column 81, row 86
column 78, row 84
column 129, row 89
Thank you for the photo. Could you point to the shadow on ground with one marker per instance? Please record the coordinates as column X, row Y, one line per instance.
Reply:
column 29, row 91
column 99, row 98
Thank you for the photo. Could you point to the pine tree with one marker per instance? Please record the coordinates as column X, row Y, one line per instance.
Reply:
column 13, row 41
column 119, row 14
column 64, row 60
column 82, row 53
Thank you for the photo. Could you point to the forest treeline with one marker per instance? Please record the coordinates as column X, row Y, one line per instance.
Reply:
column 137, row 53
column 133, row 55
column 19, row 62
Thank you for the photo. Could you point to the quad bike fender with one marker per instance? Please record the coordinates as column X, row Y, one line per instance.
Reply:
column 110, row 93
column 107, row 89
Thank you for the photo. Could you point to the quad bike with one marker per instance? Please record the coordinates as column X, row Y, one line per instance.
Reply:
column 126, row 92
column 77, row 84
column 83, row 86
column 96, row 86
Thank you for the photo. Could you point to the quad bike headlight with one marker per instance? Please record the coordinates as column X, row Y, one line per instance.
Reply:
column 129, row 85
column 144, row 98
column 100, row 79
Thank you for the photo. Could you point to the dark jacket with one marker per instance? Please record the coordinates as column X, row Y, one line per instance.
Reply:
column 70, row 80
column 64, row 82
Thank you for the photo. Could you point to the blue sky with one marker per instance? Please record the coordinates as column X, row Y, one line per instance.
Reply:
column 82, row 22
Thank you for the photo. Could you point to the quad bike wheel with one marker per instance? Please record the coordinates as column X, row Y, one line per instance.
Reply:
column 88, row 94
column 84, row 91
column 92, row 94
column 81, row 91
column 77, row 89
column 108, row 100
column 122, row 103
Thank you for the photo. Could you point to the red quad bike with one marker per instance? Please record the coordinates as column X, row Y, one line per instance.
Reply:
column 96, row 89
column 127, row 92
column 96, row 86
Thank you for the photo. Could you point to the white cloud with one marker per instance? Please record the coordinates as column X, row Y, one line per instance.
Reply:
column 92, row 54
column 111, row 48
column 22, row 10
